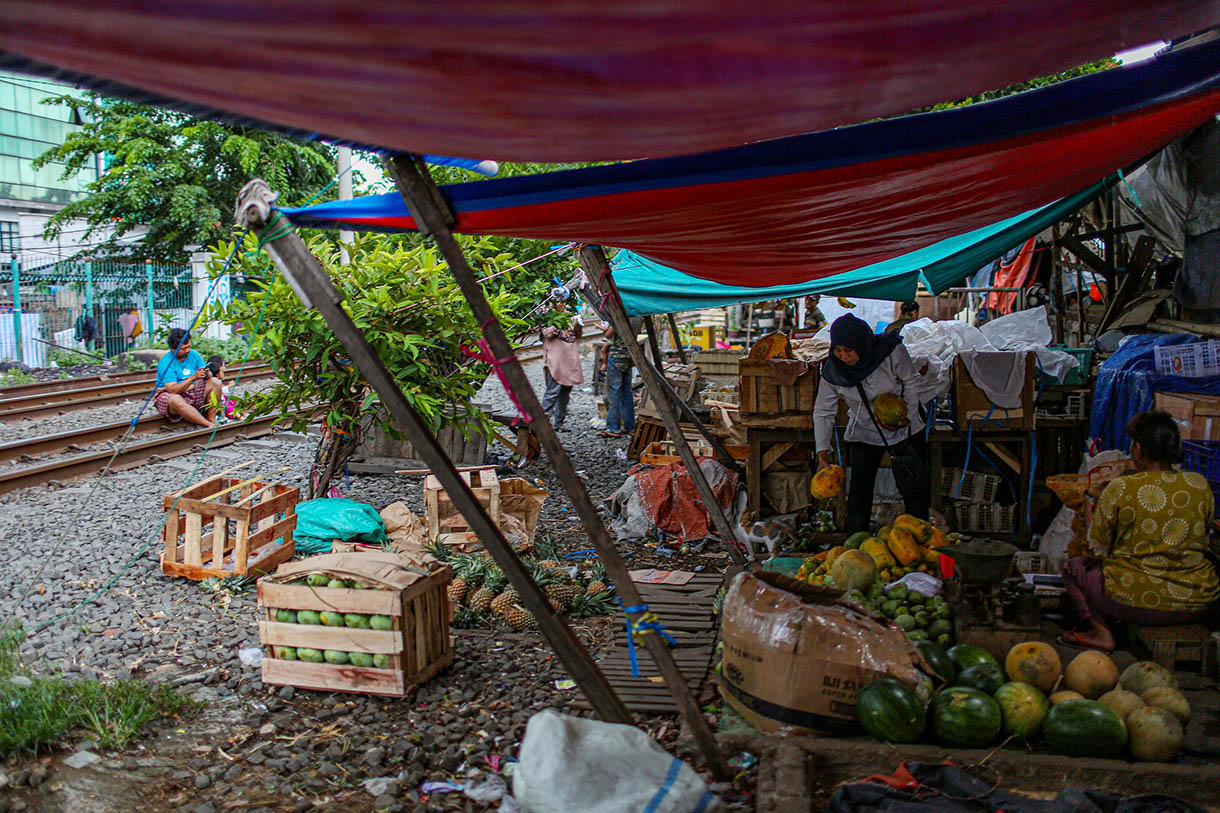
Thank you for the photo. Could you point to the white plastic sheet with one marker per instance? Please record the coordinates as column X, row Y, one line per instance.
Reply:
column 575, row 765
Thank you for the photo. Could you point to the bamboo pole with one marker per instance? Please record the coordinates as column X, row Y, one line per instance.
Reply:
column 434, row 217
column 315, row 290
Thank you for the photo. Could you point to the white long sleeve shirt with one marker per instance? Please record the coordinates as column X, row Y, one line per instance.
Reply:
column 896, row 374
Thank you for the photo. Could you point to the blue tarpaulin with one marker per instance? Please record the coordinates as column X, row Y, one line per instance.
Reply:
column 1126, row 382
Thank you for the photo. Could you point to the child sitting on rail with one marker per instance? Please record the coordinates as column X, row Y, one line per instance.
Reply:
column 226, row 405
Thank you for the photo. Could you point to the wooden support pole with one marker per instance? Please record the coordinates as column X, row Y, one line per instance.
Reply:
column 315, row 290
column 433, row 216
column 1057, row 286
column 676, row 400
column 673, row 328
column 657, row 358
column 593, row 260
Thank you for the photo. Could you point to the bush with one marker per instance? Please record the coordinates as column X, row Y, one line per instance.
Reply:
column 70, row 358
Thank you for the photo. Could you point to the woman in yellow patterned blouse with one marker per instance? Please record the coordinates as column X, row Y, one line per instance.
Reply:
column 1149, row 530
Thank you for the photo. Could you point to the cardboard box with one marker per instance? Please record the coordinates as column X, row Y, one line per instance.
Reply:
column 1197, row 416
column 794, row 657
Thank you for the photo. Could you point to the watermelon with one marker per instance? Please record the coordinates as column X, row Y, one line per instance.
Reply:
column 985, row 677
column 1084, row 728
column 938, row 661
column 1023, row 708
column 964, row 717
column 891, row 711
column 966, row 655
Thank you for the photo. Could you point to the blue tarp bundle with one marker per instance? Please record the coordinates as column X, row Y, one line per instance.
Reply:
column 1126, row 382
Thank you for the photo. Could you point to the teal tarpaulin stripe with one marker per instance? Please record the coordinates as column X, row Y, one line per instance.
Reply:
column 648, row 287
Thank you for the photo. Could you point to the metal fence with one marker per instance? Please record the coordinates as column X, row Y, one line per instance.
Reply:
column 50, row 305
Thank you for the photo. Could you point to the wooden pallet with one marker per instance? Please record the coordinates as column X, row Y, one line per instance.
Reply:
column 686, row 612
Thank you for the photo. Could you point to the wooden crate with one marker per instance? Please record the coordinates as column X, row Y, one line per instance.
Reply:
column 973, row 406
column 765, row 403
column 663, row 453
column 1176, row 645
column 1197, row 416
column 683, row 378
column 225, row 527
column 718, row 362
column 418, row 644
column 442, row 516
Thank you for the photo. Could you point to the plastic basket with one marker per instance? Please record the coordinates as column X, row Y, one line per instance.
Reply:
column 1203, row 457
column 974, row 486
column 984, row 517
column 1077, row 377
column 1196, row 360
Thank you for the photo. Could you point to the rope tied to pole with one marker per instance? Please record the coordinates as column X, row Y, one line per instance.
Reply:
column 646, row 622
column 274, row 229
column 484, row 354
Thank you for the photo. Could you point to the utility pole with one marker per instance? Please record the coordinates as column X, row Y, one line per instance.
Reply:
column 346, row 237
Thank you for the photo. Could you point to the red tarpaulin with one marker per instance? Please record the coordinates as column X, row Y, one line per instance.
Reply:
column 572, row 80
column 811, row 206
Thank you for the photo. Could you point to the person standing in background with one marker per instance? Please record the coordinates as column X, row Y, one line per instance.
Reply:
column 561, row 362
column 620, row 402
column 907, row 314
column 814, row 320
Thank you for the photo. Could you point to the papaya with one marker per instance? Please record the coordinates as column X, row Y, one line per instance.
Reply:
column 835, row 553
column 821, row 557
column 884, row 533
column 903, row 545
column 875, row 548
column 771, row 346
column 922, row 531
column 890, row 409
column 854, row 541
column 937, row 537
column 827, row 483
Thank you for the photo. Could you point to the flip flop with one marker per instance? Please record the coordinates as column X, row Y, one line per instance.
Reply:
column 606, row 433
column 1073, row 639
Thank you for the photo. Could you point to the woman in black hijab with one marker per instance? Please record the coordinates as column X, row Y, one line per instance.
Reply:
column 861, row 367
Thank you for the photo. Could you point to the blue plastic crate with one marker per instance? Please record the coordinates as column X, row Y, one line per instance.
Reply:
column 1203, row 457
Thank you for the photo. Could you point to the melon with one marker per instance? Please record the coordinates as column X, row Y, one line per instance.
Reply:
column 964, row 717
column 1154, row 735
column 986, row 677
column 1035, row 663
column 891, row 711
column 1164, row 697
column 1141, row 676
column 966, row 655
column 853, row 570
column 1023, row 708
column 1122, row 701
column 1091, row 673
column 1059, row 697
column 890, row 409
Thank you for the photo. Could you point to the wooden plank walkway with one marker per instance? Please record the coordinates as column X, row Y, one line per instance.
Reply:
column 686, row 612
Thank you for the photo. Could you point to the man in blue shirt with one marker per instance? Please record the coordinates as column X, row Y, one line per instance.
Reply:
column 185, row 384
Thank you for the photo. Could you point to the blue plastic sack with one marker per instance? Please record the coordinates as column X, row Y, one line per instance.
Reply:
column 320, row 522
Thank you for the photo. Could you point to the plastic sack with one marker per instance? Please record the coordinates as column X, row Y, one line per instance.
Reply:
column 320, row 522
column 574, row 765
column 1068, row 530
column 923, row 583
column 1030, row 330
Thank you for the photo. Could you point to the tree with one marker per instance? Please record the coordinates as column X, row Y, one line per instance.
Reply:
column 1021, row 87
column 176, row 174
column 410, row 310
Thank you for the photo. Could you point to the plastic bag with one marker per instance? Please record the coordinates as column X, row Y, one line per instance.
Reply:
column 570, row 765
column 320, row 522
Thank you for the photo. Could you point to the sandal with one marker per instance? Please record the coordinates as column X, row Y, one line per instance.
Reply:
column 1073, row 639
column 606, row 433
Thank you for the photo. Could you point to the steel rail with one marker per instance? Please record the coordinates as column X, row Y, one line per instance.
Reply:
column 54, row 403
column 80, row 382
column 137, row 454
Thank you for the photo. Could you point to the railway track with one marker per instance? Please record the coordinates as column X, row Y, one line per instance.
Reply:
column 22, row 406
column 136, row 454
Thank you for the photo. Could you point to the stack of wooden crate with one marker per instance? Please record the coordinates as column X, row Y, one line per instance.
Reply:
column 442, row 516
column 767, row 403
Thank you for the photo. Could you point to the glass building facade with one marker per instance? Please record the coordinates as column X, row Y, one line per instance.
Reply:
column 29, row 128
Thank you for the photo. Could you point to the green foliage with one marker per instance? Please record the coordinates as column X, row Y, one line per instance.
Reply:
column 70, row 358
column 37, row 711
column 233, row 349
column 12, row 378
column 408, row 307
column 1021, row 87
column 176, row 174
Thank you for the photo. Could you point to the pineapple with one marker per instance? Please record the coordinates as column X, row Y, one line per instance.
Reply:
column 563, row 592
column 597, row 579
column 504, row 602
column 520, row 618
column 556, row 605
column 493, row 581
column 459, row 586
column 595, row 587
